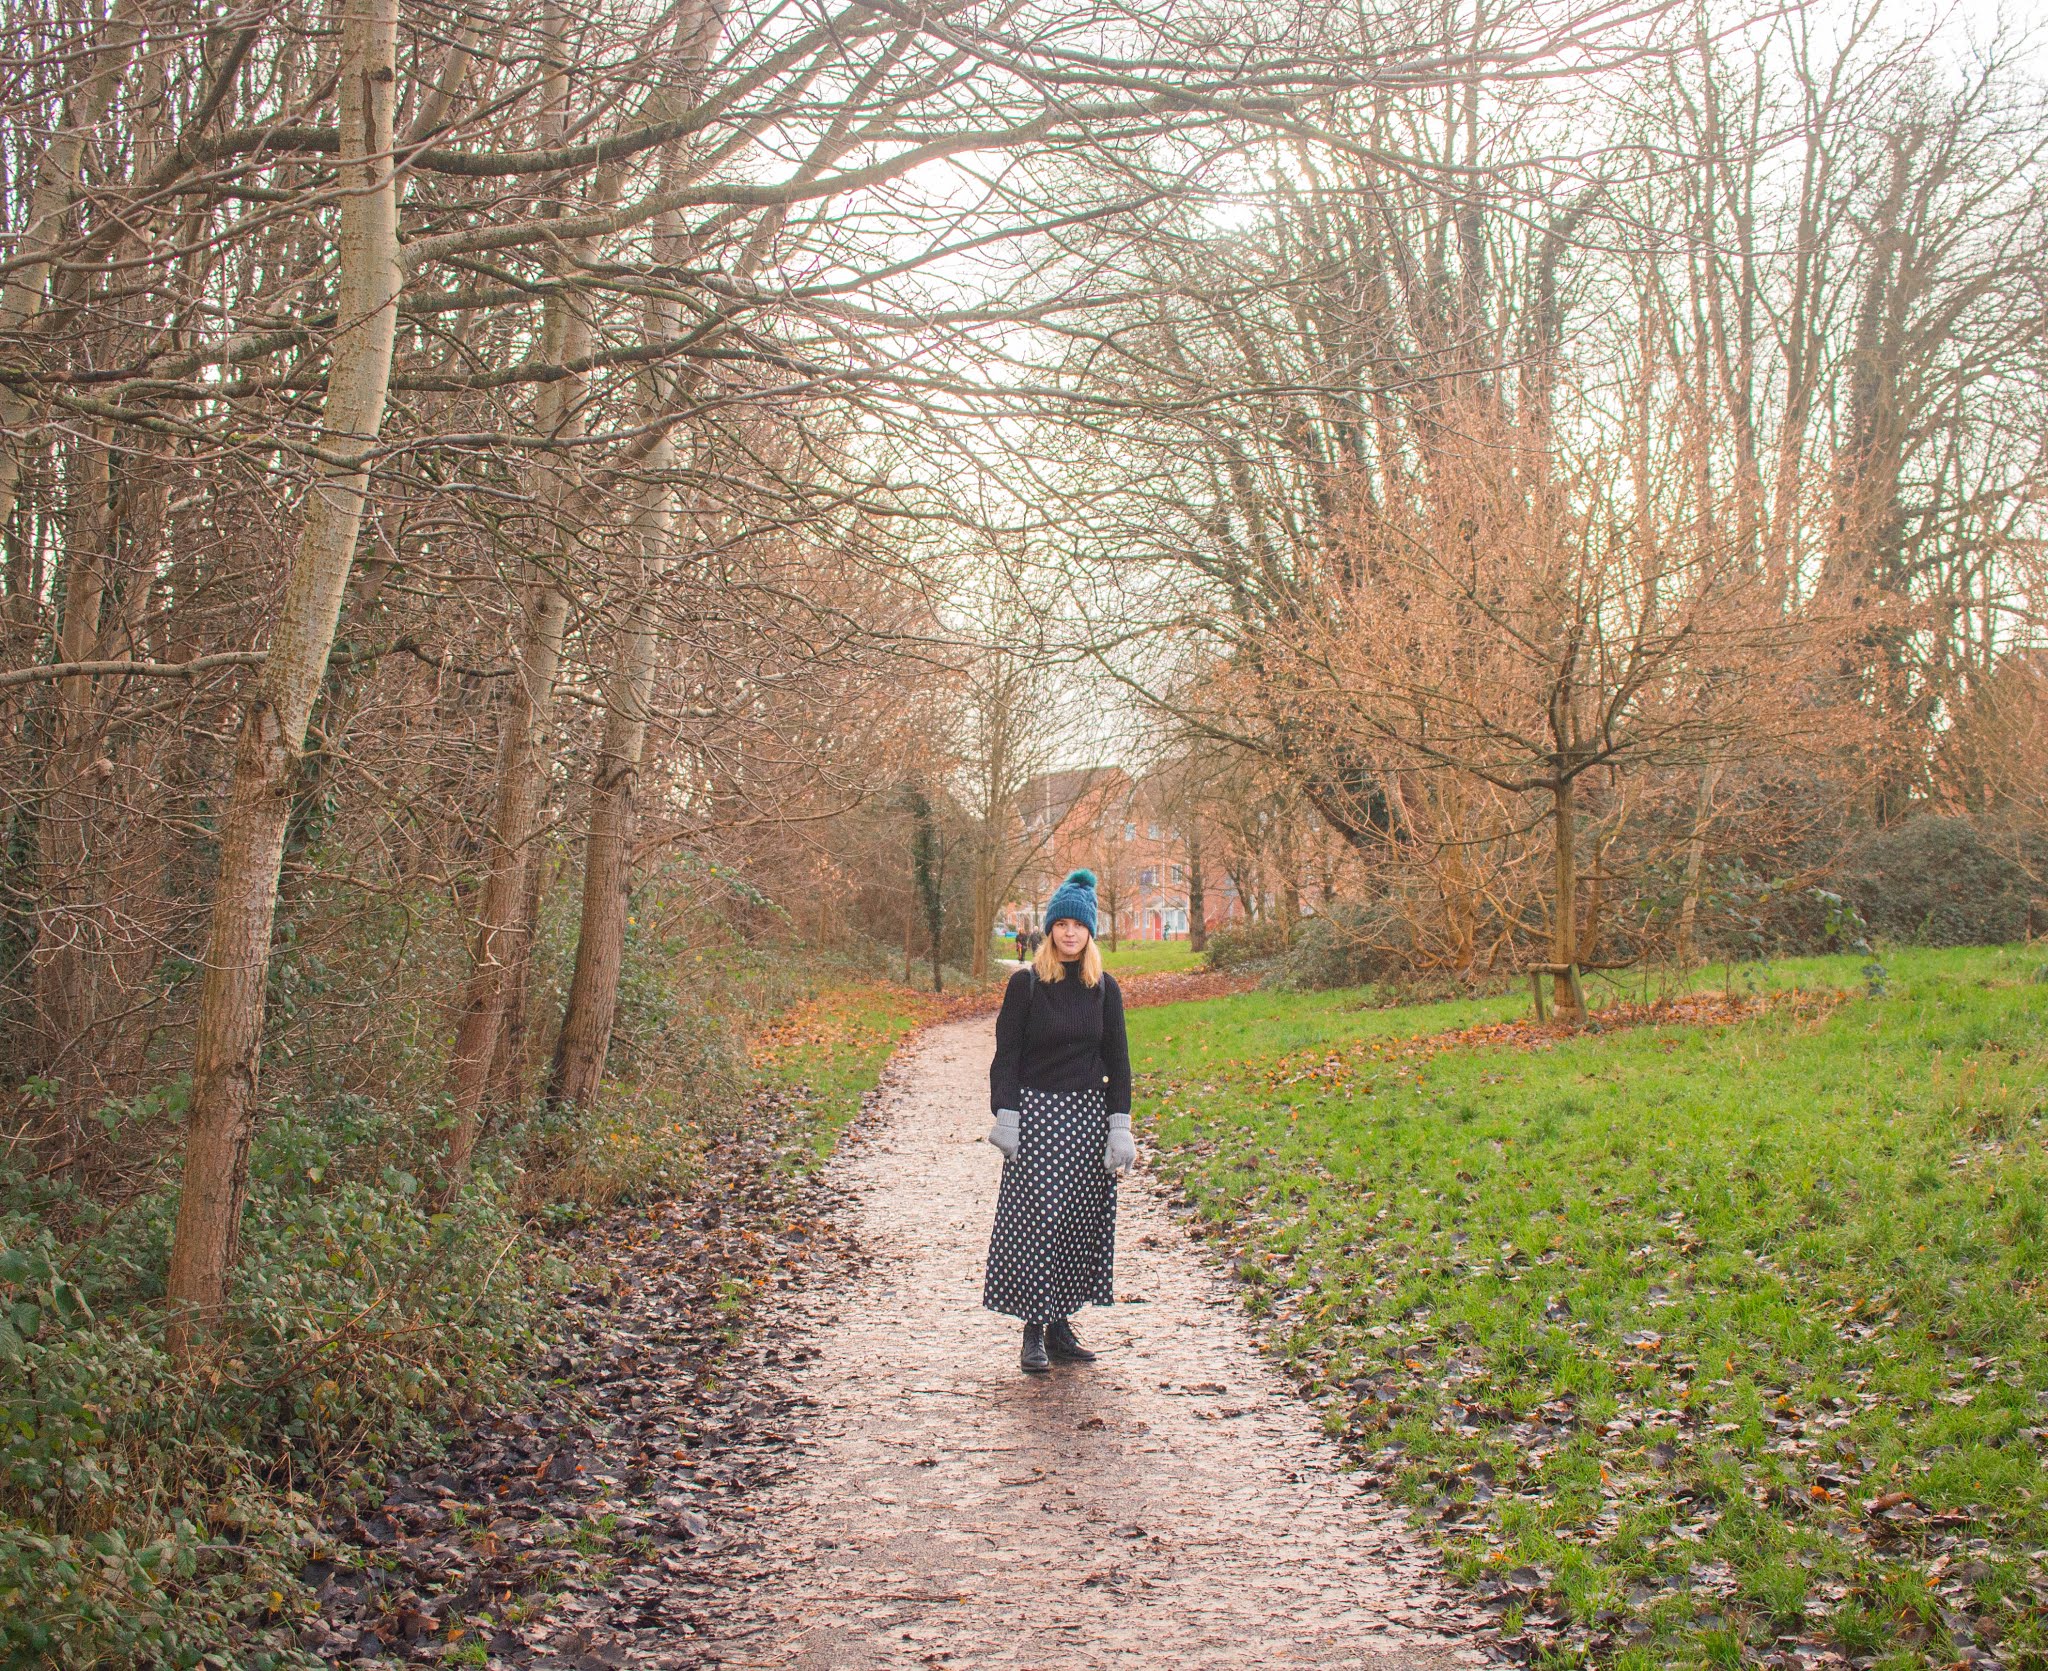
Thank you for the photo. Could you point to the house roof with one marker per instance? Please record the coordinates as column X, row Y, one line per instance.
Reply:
column 1057, row 792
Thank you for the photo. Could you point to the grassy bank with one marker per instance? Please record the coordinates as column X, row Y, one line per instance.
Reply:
column 1696, row 1345
column 828, row 1052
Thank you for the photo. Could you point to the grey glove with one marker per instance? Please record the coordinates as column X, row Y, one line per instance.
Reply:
column 1003, row 1134
column 1121, row 1152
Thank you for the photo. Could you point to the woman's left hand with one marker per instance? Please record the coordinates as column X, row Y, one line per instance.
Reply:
column 1121, row 1154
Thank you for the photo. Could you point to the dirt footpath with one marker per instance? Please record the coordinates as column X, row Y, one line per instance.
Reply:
column 1173, row 1505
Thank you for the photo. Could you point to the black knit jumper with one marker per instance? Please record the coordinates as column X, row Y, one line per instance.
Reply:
column 1063, row 1063
column 1060, row 1036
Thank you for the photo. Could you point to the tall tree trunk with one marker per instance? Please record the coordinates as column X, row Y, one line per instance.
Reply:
column 274, row 715
column 524, row 756
column 64, row 919
column 591, row 1010
column 983, row 908
column 1564, row 931
column 995, row 692
column 57, row 174
column 585, row 1038
column 1695, row 867
column 1290, row 882
column 1198, row 905
column 524, row 752
column 511, row 1057
column 928, row 877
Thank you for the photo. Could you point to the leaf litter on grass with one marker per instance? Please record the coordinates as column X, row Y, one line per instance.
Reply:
column 1340, row 1068
column 1683, row 1325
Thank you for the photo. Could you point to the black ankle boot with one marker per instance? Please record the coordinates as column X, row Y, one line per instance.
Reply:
column 1034, row 1361
column 1060, row 1343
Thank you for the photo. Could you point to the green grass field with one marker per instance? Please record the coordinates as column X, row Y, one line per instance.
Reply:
column 1693, row 1345
column 1148, row 957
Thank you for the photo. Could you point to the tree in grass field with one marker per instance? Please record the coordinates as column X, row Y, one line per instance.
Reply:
column 1510, row 626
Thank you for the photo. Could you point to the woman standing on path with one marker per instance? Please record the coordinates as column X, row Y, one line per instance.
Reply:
column 1060, row 1089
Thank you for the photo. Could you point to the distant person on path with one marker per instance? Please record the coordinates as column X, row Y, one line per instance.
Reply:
column 1060, row 1089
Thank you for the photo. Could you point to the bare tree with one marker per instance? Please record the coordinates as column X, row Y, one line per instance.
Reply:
column 1013, row 725
column 230, row 1021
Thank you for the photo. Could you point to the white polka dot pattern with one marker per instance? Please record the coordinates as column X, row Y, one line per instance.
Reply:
column 1053, row 1249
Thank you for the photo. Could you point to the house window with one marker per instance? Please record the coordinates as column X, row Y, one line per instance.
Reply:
column 1130, row 832
column 1148, row 878
column 1177, row 876
column 1151, row 832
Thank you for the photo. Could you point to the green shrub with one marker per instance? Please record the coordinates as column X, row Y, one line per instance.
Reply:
column 659, row 1033
column 153, row 1516
column 640, row 1142
column 1937, row 882
column 1347, row 944
column 1245, row 945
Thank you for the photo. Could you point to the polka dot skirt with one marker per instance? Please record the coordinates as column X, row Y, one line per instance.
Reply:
column 1053, row 1249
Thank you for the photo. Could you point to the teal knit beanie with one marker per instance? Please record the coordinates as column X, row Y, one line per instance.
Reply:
column 1075, row 897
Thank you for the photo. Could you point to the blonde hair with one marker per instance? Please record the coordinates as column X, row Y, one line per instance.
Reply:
column 1048, row 966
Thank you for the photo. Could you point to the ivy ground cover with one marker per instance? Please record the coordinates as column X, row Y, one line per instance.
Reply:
column 1713, row 1342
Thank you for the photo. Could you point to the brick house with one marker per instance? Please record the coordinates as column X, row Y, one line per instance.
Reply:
column 1117, row 826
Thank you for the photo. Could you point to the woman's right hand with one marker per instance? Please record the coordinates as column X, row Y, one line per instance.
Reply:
column 1003, row 1134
